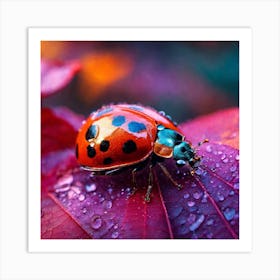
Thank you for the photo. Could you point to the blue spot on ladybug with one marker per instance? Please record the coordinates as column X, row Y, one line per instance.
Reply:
column 118, row 120
column 136, row 127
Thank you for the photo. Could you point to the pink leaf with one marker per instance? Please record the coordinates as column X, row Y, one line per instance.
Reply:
column 220, row 127
column 55, row 75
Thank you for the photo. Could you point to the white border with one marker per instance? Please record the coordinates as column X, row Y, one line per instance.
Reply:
column 243, row 35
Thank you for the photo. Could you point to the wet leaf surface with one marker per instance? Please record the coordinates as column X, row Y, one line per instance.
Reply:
column 55, row 75
column 102, row 206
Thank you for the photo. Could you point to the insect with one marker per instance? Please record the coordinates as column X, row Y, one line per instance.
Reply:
column 117, row 137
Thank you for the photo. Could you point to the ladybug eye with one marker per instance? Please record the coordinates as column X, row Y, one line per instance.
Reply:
column 92, row 132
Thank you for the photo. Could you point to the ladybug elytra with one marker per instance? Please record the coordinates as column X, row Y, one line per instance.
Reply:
column 120, row 136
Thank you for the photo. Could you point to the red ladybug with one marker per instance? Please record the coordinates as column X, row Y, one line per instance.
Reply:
column 120, row 136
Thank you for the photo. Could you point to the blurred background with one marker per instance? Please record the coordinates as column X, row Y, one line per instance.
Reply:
column 184, row 79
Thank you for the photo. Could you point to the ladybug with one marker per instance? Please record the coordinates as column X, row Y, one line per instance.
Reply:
column 122, row 136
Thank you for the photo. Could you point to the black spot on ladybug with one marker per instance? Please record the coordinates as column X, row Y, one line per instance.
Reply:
column 104, row 145
column 91, row 151
column 118, row 120
column 129, row 147
column 136, row 127
column 107, row 160
column 77, row 151
column 91, row 132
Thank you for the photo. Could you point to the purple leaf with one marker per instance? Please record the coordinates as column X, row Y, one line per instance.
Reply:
column 103, row 207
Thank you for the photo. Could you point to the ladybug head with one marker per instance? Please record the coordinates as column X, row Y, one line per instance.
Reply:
column 180, row 150
column 183, row 152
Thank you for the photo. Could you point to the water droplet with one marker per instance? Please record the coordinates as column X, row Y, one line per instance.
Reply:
column 236, row 186
column 197, row 195
column 225, row 160
column 229, row 213
column 220, row 152
column 210, row 222
column 217, row 165
column 209, row 149
column 204, row 198
column 176, row 211
column 76, row 190
column 231, row 193
column 116, row 226
column 197, row 223
column 101, row 199
column 198, row 171
column 63, row 189
column 220, row 196
column 90, row 188
column 191, row 218
column 223, row 156
column 71, row 194
column 186, row 195
column 233, row 168
column 82, row 197
column 84, row 210
column 115, row 234
column 191, row 203
column 96, row 222
column 237, row 157
column 178, row 172
column 65, row 180
column 107, row 204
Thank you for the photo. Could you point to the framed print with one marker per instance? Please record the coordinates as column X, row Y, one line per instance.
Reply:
column 181, row 207
column 139, row 139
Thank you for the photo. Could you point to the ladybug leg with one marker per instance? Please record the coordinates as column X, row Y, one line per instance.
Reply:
column 168, row 175
column 202, row 142
column 134, row 185
column 150, row 185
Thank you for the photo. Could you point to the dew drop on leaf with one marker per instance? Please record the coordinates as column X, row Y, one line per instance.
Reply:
column 191, row 203
column 186, row 195
column 96, row 222
column 236, row 186
column 209, row 149
column 197, row 223
column 210, row 222
column 233, row 168
column 90, row 188
column 220, row 196
column 197, row 195
column 107, row 204
column 82, row 197
column 229, row 213
column 115, row 234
